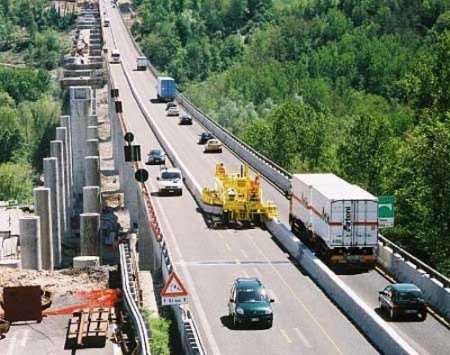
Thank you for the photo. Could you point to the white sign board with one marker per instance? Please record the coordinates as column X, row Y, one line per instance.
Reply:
column 173, row 292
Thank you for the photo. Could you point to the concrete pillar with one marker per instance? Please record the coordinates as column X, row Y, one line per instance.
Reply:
column 65, row 122
column 56, row 151
column 80, row 109
column 92, row 171
column 51, row 180
column 92, row 120
column 90, row 234
column 43, row 208
column 61, row 135
column 92, row 132
column 92, row 147
column 30, row 242
column 91, row 199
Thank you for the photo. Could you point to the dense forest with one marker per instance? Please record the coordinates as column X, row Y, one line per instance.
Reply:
column 358, row 88
column 31, row 45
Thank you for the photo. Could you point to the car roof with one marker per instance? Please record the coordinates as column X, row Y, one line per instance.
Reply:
column 405, row 287
column 171, row 170
column 248, row 282
column 156, row 150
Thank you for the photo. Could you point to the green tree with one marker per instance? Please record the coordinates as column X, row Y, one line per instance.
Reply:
column 16, row 182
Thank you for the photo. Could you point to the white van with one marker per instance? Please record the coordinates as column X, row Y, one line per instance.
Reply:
column 106, row 22
column 141, row 63
column 115, row 56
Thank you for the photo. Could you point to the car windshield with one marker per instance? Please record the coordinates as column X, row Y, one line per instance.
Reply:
column 170, row 175
column 155, row 153
column 252, row 295
column 409, row 295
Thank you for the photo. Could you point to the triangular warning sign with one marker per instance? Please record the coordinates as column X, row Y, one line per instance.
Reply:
column 173, row 287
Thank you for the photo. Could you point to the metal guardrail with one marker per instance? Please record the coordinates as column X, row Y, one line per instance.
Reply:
column 130, row 297
column 420, row 264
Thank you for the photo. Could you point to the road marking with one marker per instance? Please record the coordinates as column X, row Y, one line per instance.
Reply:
column 297, row 298
column 245, row 273
column 273, row 295
column 285, row 336
column 257, row 273
column 12, row 345
column 24, row 337
column 303, row 339
column 228, row 246
column 244, row 253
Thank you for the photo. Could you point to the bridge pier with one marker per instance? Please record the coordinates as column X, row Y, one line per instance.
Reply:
column 56, row 151
column 91, row 199
column 90, row 234
column 42, row 204
column 92, row 171
column 30, row 242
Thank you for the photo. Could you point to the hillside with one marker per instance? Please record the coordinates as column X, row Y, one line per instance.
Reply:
column 32, row 41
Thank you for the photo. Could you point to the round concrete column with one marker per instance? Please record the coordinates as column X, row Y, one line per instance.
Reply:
column 92, row 132
column 56, row 151
column 30, row 242
column 91, row 199
column 92, row 147
column 90, row 234
column 42, row 204
column 91, row 171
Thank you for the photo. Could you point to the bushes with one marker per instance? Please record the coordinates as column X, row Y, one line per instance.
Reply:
column 16, row 182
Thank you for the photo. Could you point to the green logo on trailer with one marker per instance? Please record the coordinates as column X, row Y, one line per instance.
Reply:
column 386, row 211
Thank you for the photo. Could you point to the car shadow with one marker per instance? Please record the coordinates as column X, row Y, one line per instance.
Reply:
column 228, row 323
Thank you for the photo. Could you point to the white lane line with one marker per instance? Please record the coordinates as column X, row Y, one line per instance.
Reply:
column 12, row 345
column 273, row 295
column 285, row 336
column 24, row 337
column 244, row 253
column 257, row 273
column 228, row 246
column 303, row 339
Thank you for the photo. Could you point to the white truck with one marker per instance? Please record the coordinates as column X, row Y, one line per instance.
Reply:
column 338, row 219
column 141, row 63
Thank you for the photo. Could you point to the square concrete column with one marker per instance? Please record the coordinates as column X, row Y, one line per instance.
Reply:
column 65, row 122
column 61, row 135
column 56, row 151
column 30, row 242
column 43, row 207
column 91, row 199
column 92, row 147
column 92, row 132
column 51, row 180
column 92, row 171
column 80, row 109
column 90, row 234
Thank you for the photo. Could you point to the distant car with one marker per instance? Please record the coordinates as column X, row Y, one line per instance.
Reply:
column 249, row 302
column 173, row 111
column 204, row 137
column 170, row 104
column 115, row 56
column 185, row 119
column 106, row 22
column 170, row 181
column 402, row 299
column 213, row 146
column 156, row 156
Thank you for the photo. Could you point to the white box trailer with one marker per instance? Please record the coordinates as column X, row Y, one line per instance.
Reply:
column 340, row 218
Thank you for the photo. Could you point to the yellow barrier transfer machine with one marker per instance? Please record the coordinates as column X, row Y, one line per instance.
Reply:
column 239, row 197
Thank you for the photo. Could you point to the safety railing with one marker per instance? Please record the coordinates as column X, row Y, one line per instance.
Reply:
column 419, row 264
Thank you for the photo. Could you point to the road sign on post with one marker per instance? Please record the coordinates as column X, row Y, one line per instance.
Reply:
column 386, row 211
column 173, row 291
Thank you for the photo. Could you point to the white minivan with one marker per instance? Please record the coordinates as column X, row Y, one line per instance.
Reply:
column 115, row 56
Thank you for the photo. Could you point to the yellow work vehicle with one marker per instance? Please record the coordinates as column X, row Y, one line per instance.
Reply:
column 240, row 197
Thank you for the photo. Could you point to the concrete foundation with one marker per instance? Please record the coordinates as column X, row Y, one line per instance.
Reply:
column 83, row 262
column 91, row 199
column 92, row 147
column 62, row 135
column 10, row 263
column 43, row 207
column 92, row 171
column 30, row 242
column 92, row 132
column 56, row 151
column 51, row 180
column 90, row 234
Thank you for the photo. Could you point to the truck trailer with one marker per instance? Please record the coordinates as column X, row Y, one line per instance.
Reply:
column 339, row 220
column 166, row 89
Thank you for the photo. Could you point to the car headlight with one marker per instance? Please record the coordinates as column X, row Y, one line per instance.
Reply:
column 268, row 311
column 239, row 310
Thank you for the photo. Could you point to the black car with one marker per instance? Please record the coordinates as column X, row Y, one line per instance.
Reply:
column 156, row 156
column 204, row 137
column 185, row 119
column 402, row 299
column 170, row 104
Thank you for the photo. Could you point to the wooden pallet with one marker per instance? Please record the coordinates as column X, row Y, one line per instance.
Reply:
column 88, row 328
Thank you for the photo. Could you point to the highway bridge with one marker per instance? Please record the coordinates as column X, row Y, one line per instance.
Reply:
column 306, row 320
